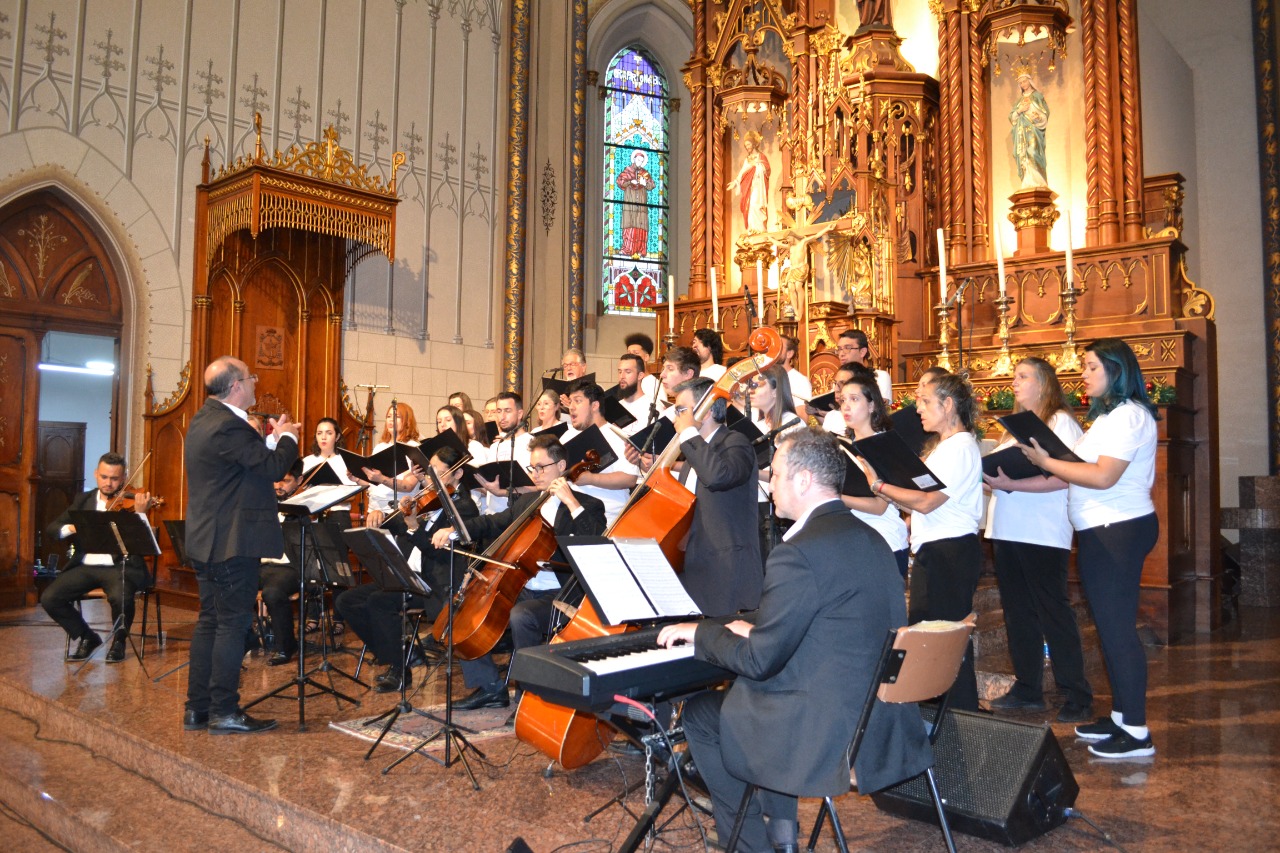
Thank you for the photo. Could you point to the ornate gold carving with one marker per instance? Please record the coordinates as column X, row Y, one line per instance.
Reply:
column 517, row 193
column 352, row 409
column 550, row 198
column 1195, row 302
column 1034, row 215
column 1019, row 22
column 203, row 301
column 6, row 288
column 41, row 237
column 78, row 291
column 169, row 403
column 325, row 161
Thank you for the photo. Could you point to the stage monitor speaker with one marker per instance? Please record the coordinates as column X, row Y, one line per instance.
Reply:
column 999, row 780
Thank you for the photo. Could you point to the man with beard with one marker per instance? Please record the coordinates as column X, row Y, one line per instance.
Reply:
column 631, row 393
column 512, row 441
column 612, row 485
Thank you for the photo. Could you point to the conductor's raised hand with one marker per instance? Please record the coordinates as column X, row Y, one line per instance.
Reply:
column 286, row 424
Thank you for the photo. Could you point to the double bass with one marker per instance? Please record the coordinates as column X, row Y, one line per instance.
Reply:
column 482, row 605
column 660, row 508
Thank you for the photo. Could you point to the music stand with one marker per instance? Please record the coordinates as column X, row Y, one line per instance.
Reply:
column 379, row 553
column 324, row 567
column 451, row 733
column 121, row 535
column 301, row 508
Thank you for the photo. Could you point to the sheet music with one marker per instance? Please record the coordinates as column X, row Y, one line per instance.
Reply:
column 656, row 577
column 318, row 498
column 605, row 572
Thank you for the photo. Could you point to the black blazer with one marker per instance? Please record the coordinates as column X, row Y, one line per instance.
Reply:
column 435, row 562
column 831, row 594
column 722, row 568
column 231, row 497
column 53, row 533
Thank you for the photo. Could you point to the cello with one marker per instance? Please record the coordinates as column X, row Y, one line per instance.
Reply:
column 660, row 508
column 482, row 605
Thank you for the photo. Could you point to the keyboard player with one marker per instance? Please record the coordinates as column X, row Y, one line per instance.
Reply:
column 805, row 666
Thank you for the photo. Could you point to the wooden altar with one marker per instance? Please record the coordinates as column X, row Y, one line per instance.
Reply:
column 276, row 239
column 883, row 157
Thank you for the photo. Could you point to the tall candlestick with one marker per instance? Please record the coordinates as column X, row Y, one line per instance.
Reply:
column 999, row 260
column 671, row 302
column 1071, row 277
column 715, row 301
column 942, row 266
column 760, row 290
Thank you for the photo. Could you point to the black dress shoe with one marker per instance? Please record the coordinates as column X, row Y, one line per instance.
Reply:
column 238, row 723
column 1010, row 702
column 115, row 654
column 416, row 658
column 495, row 697
column 85, row 647
column 194, row 721
column 389, row 681
column 279, row 658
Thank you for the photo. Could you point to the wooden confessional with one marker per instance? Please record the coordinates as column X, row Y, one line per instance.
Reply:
column 276, row 239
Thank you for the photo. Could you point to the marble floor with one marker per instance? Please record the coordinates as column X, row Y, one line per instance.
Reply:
column 99, row 760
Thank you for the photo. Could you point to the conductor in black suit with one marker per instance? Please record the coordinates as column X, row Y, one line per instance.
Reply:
column 231, row 525
column 832, row 592
column 87, row 572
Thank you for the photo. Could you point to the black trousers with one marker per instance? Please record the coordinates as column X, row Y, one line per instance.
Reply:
column 59, row 597
column 374, row 615
column 701, row 720
column 530, row 621
column 943, row 582
column 1109, row 558
column 278, row 581
column 228, row 592
column 1033, row 592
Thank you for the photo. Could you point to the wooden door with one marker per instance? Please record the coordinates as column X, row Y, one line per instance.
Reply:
column 60, row 461
column 19, row 352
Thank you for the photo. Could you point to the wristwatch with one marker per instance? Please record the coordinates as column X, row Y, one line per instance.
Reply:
column 877, row 486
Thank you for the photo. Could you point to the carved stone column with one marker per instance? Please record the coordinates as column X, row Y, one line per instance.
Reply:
column 1033, row 215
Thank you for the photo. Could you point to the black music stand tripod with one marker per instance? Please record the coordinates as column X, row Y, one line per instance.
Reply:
column 452, row 733
column 122, row 535
column 380, row 555
column 302, row 514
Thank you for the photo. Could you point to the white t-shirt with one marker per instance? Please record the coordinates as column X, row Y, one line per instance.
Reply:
column 888, row 524
column 639, row 409
column 833, row 422
column 801, row 387
column 713, row 372
column 885, row 384
column 613, row 499
column 1127, row 432
column 1038, row 518
column 956, row 461
column 651, row 387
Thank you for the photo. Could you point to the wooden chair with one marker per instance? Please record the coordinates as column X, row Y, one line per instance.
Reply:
column 918, row 662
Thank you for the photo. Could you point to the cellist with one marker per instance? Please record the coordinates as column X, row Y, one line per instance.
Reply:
column 570, row 513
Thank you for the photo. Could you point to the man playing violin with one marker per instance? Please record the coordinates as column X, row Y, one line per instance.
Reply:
column 570, row 513
column 87, row 572
column 374, row 614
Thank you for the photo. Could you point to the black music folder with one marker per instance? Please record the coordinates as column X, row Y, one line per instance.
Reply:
column 504, row 472
column 665, row 431
column 896, row 464
column 1014, row 464
column 591, row 438
column 97, row 531
column 558, row 430
column 616, row 413
column 561, row 386
column 323, row 474
column 491, row 430
column 627, row 580
column 1025, row 426
column 429, row 446
column 855, row 482
column 391, row 461
column 824, row 402
column 907, row 424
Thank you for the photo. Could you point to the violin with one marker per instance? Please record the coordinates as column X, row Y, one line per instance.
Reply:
column 428, row 500
column 126, row 501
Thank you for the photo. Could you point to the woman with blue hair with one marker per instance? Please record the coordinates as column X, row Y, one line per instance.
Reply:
column 1109, row 502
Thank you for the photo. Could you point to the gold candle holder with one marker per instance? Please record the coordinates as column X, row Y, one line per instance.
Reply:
column 1004, row 361
column 944, row 334
column 1069, row 360
column 670, row 338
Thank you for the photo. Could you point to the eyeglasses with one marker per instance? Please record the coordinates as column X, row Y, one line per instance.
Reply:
column 252, row 376
column 848, row 348
column 680, row 410
column 568, row 364
column 534, row 469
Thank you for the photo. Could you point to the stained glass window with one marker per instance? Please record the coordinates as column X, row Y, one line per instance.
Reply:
column 636, row 158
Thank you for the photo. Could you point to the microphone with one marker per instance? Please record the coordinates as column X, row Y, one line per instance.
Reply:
column 554, row 371
column 959, row 292
column 771, row 433
column 751, row 305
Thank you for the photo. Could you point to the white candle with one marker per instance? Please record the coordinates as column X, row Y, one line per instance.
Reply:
column 942, row 266
column 1071, row 277
column 715, row 301
column 760, row 290
column 671, row 304
column 999, row 260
